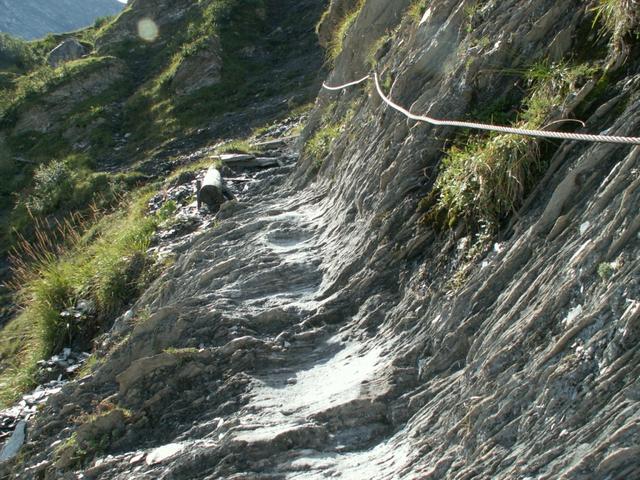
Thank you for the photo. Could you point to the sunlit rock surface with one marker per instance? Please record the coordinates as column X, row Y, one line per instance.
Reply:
column 315, row 331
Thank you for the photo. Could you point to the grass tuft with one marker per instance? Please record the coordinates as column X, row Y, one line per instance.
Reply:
column 336, row 44
column 620, row 19
column 486, row 180
column 417, row 9
column 319, row 145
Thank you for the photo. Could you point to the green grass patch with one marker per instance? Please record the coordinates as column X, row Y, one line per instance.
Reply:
column 486, row 179
column 237, row 146
column 319, row 145
column 336, row 44
column 333, row 123
column 378, row 49
column 620, row 19
column 40, row 81
column 417, row 9
column 106, row 266
column 16, row 55
column 56, row 190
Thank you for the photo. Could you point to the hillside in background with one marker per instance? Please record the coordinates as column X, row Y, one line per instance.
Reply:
column 30, row 19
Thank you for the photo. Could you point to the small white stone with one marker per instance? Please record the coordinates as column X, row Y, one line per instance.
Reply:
column 163, row 453
column 136, row 458
column 574, row 313
column 584, row 227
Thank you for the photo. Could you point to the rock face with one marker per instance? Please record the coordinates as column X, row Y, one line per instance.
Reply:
column 319, row 331
column 335, row 12
column 199, row 70
column 43, row 116
column 70, row 49
column 31, row 19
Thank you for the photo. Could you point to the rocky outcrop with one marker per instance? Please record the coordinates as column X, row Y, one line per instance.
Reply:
column 200, row 69
column 69, row 49
column 320, row 330
column 31, row 19
column 43, row 116
column 330, row 20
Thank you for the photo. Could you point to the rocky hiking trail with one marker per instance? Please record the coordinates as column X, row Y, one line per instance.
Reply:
column 317, row 328
column 281, row 345
column 287, row 384
column 235, row 355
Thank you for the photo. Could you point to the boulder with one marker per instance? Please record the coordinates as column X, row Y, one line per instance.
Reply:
column 70, row 49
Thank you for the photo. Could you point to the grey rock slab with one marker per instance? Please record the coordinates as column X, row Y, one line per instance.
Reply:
column 70, row 49
column 242, row 160
column 15, row 443
column 164, row 453
column 200, row 70
column 275, row 144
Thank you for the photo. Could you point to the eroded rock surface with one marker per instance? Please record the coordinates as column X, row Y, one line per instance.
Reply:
column 312, row 333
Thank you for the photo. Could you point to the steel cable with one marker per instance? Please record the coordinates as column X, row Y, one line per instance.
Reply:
column 581, row 137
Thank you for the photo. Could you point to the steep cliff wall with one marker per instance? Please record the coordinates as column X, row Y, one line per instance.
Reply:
column 362, row 318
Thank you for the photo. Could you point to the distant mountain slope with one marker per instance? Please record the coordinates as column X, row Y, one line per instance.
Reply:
column 35, row 18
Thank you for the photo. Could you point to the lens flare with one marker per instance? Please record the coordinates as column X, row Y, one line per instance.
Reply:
column 148, row 30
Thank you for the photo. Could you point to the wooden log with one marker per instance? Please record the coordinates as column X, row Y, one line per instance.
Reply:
column 211, row 191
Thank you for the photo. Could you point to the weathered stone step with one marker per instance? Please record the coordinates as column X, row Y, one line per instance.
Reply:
column 242, row 160
column 276, row 143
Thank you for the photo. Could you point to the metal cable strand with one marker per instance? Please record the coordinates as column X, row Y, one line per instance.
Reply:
column 493, row 128
column 350, row 84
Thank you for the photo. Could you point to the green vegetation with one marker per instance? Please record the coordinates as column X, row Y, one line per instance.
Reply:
column 620, row 18
column 417, row 9
column 59, row 188
column 380, row 45
column 105, row 267
column 332, row 124
column 606, row 270
column 44, row 79
column 185, row 351
column 70, row 184
column 236, row 146
column 155, row 113
column 16, row 56
column 338, row 35
column 485, row 180
column 471, row 13
column 94, row 435
column 319, row 145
